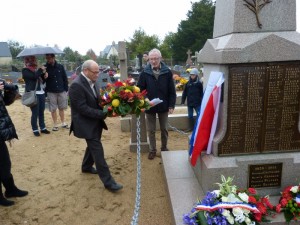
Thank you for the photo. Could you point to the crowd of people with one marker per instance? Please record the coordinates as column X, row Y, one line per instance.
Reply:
column 87, row 115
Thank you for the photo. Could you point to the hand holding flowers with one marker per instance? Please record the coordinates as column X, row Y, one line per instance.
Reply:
column 123, row 98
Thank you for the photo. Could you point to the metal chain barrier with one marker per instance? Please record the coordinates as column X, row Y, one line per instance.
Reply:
column 177, row 130
column 135, row 216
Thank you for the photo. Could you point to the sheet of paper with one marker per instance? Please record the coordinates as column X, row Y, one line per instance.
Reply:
column 155, row 101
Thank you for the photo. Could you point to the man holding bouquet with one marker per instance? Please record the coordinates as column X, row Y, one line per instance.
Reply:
column 88, row 122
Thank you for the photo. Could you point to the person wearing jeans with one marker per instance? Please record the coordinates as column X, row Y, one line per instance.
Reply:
column 34, row 78
column 193, row 92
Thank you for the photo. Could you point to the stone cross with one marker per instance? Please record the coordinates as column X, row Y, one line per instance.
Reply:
column 123, row 60
column 189, row 60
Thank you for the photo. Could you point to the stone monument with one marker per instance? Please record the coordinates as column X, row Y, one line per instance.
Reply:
column 144, row 143
column 257, row 139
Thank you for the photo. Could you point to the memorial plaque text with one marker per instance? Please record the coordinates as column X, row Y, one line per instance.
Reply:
column 265, row 175
column 263, row 109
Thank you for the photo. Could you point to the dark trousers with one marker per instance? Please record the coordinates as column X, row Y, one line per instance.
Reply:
column 191, row 111
column 5, row 163
column 151, row 125
column 37, row 113
column 94, row 153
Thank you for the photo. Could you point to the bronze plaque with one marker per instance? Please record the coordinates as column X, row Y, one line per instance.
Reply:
column 265, row 175
column 263, row 109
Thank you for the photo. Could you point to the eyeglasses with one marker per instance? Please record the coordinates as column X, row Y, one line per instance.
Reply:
column 94, row 72
column 154, row 59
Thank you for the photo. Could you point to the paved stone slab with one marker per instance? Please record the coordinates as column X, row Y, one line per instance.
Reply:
column 184, row 189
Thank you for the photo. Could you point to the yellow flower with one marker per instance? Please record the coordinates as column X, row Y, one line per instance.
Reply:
column 115, row 103
column 141, row 103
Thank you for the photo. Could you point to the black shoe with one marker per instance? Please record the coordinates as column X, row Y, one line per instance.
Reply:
column 6, row 202
column 92, row 170
column 164, row 149
column 45, row 131
column 36, row 133
column 151, row 155
column 15, row 193
column 114, row 187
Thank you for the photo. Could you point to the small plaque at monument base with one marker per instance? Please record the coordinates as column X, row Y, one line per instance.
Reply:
column 265, row 175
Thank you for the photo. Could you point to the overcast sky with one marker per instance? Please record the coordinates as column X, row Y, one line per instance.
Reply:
column 90, row 24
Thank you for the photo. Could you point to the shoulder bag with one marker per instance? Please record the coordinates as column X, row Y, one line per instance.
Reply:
column 29, row 99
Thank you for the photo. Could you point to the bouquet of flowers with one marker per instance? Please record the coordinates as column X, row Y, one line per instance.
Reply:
column 122, row 98
column 229, row 205
column 290, row 202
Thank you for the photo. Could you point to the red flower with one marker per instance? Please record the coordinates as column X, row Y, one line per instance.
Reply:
column 119, row 84
column 283, row 202
column 257, row 216
column 267, row 203
column 260, row 206
column 252, row 191
column 252, row 200
column 278, row 208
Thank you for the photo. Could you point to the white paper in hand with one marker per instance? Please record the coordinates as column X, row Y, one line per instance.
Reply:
column 155, row 101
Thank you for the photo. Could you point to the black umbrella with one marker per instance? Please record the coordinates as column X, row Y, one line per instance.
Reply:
column 40, row 50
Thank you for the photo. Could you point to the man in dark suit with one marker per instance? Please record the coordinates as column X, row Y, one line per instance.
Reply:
column 88, row 122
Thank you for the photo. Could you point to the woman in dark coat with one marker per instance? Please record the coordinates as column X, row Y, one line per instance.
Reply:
column 193, row 92
column 36, row 76
column 7, row 133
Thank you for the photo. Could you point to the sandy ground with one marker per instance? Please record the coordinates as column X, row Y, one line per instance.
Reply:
column 49, row 167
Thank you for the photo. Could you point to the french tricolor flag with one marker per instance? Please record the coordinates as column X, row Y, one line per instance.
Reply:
column 205, row 128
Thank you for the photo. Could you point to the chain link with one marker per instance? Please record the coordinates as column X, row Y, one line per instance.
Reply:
column 135, row 216
column 177, row 130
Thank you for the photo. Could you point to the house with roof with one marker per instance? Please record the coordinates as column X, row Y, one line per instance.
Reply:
column 110, row 50
column 5, row 54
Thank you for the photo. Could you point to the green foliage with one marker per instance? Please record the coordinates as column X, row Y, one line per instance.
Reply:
column 15, row 48
column 193, row 32
column 141, row 42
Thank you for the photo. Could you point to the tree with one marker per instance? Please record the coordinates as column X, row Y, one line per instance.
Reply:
column 193, row 32
column 15, row 48
column 141, row 42
column 91, row 54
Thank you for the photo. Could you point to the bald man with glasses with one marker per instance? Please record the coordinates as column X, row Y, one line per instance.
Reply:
column 88, row 123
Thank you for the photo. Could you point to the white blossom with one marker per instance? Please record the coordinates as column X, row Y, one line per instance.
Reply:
column 244, row 197
column 294, row 189
column 217, row 192
column 232, row 198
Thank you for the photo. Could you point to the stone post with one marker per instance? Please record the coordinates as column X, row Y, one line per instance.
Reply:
column 144, row 143
column 143, row 132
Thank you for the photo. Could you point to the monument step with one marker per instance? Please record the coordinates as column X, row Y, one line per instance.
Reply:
column 184, row 188
column 180, row 121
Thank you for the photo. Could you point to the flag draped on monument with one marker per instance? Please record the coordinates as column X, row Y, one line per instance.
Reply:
column 204, row 131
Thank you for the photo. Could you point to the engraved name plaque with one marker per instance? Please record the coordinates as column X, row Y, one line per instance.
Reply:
column 265, row 175
column 263, row 109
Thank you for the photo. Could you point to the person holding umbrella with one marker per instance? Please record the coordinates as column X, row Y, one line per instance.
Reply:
column 32, row 76
column 56, row 88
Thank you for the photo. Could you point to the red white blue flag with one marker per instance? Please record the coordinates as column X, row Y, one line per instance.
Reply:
column 205, row 128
